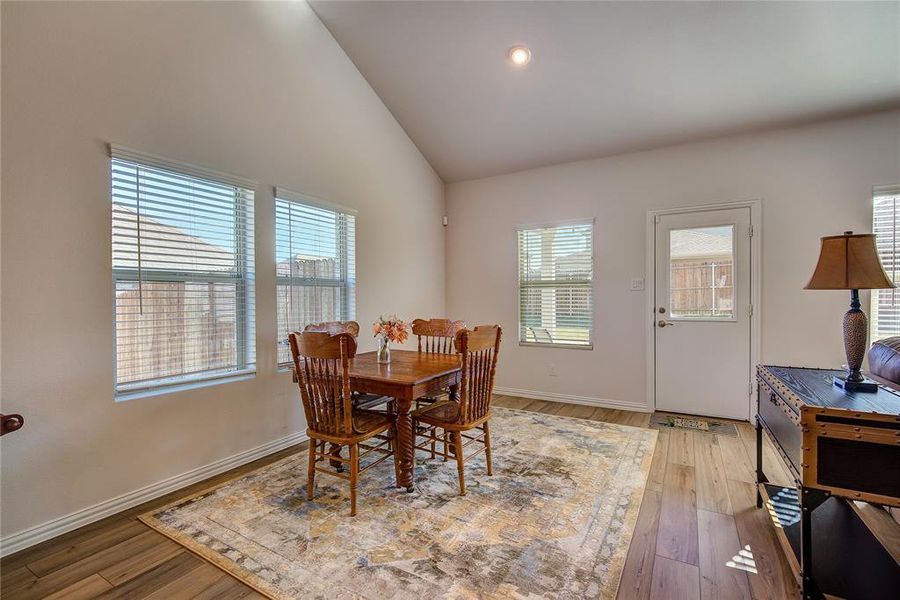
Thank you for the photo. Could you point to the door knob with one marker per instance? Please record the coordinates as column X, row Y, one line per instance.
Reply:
column 10, row 423
column 663, row 323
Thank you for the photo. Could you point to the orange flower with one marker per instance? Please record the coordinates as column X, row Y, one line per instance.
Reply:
column 391, row 328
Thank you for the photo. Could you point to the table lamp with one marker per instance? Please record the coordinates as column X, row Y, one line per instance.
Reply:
column 850, row 262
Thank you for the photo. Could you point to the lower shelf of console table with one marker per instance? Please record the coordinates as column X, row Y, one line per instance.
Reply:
column 850, row 562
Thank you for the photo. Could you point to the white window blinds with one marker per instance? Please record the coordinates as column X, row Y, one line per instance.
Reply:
column 315, row 254
column 885, row 313
column 182, row 258
column 555, row 284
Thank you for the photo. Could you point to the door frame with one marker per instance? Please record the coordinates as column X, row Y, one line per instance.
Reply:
column 755, row 206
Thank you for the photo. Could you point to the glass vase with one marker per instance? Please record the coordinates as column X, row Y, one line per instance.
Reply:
column 384, row 350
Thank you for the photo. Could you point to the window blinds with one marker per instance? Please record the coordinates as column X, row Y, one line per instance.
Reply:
column 183, row 263
column 885, row 312
column 555, row 284
column 315, row 254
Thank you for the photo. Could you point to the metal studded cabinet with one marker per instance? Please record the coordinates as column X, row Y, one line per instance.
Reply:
column 838, row 446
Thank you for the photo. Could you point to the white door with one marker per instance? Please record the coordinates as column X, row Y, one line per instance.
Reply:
column 702, row 312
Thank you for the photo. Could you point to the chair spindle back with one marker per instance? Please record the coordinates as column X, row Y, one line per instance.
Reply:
column 479, row 349
column 321, row 362
column 437, row 335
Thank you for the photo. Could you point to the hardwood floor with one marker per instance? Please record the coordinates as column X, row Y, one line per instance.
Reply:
column 698, row 535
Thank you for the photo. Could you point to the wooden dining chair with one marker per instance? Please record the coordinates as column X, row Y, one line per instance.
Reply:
column 321, row 361
column 436, row 336
column 467, row 419
column 351, row 327
column 335, row 327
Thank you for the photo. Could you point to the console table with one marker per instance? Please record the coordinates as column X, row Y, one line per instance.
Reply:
column 837, row 446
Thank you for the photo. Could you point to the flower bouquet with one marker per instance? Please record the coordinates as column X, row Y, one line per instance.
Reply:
column 390, row 329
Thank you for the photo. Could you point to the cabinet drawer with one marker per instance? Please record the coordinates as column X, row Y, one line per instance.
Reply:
column 854, row 456
column 783, row 424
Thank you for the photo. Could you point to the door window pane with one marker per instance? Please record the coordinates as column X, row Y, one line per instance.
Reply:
column 701, row 273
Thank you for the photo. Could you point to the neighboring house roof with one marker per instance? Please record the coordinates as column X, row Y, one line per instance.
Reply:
column 164, row 247
column 697, row 243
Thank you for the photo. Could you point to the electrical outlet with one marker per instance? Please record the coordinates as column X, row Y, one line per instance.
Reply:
column 637, row 284
column 551, row 370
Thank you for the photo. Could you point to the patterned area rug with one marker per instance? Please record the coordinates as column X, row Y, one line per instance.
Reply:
column 554, row 521
column 665, row 421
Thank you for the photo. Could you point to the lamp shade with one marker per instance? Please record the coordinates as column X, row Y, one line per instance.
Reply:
column 849, row 262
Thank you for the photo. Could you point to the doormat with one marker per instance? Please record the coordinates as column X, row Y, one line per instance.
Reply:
column 665, row 421
column 690, row 423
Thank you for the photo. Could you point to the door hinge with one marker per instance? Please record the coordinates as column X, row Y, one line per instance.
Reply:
column 750, row 230
column 750, row 388
column 750, row 310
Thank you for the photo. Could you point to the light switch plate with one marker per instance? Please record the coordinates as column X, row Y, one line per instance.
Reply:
column 637, row 284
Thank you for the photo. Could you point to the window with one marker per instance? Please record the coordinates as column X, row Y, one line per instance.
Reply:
column 885, row 313
column 701, row 273
column 315, row 254
column 182, row 258
column 555, row 284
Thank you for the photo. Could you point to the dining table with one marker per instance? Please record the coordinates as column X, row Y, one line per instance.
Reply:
column 408, row 376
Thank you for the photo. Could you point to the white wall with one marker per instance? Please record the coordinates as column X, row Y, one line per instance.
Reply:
column 257, row 90
column 813, row 181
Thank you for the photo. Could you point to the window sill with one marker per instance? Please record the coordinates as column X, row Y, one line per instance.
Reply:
column 184, row 387
column 559, row 346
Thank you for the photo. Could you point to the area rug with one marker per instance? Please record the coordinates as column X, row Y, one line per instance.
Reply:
column 665, row 421
column 554, row 521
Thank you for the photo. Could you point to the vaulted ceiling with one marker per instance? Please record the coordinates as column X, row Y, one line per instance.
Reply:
column 611, row 77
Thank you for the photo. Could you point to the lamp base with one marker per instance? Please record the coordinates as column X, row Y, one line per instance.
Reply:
column 866, row 385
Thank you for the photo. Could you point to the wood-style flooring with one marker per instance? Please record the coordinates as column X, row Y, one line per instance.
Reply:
column 699, row 534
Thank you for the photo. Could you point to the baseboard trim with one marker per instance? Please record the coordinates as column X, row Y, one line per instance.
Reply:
column 50, row 529
column 571, row 399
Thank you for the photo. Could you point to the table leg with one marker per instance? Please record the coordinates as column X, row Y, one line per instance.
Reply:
column 760, row 476
column 810, row 499
column 406, row 441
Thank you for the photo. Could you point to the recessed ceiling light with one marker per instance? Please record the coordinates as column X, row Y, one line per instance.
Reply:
column 520, row 55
